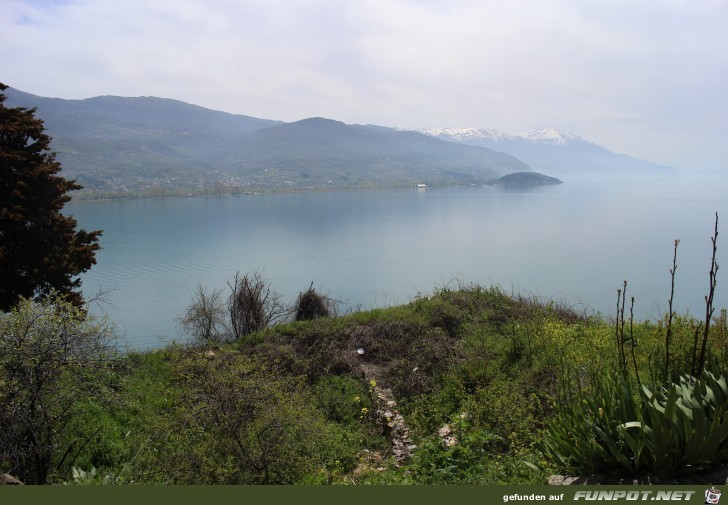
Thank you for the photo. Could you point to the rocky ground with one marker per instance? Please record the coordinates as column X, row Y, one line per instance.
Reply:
column 387, row 411
column 714, row 476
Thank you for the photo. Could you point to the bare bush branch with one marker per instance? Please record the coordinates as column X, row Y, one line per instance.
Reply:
column 668, row 335
column 204, row 319
column 709, row 298
column 253, row 305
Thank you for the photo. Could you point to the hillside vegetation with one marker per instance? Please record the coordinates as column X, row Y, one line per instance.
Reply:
column 472, row 375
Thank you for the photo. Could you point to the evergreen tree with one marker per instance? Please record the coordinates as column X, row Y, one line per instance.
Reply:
column 40, row 249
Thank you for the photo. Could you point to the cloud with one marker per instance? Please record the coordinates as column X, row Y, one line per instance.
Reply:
column 607, row 70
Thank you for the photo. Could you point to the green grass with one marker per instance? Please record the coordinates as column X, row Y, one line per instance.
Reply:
column 291, row 404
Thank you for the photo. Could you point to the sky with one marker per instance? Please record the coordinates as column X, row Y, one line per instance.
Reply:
column 648, row 78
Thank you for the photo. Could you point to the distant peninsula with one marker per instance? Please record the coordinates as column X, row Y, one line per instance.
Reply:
column 526, row 179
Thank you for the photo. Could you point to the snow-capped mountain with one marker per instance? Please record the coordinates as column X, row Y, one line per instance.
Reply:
column 466, row 135
column 551, row 151
column 551, row 136
column 473, row 135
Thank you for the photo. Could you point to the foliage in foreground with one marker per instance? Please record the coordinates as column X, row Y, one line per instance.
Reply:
column 478, row 375
column 649, row 414
column 54, row 360
column 681, row 428
column 238, row 421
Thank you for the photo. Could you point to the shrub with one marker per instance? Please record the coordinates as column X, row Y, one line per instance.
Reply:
column 95, row 437
column 313, row 305
column 53, row 357
column 253, row 305
column 204, row 318
column 235, row 422
column 507, row 409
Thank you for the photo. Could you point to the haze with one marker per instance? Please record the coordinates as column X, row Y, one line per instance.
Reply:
column 643, row 78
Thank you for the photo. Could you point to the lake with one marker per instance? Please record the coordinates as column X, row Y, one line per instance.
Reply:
column 575, row 242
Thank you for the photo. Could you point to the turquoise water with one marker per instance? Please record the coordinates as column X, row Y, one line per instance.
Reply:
column 575, row 242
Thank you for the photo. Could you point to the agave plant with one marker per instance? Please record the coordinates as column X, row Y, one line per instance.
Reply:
column 686, row 423
column 587, row 434
column 670, row 430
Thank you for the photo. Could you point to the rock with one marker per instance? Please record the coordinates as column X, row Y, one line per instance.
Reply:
column 8, row 480
column 388, row 414
column 716, row 475
column 561, row 480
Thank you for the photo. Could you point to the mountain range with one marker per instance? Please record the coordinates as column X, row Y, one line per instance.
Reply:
column 551, row 151
column 147, row 145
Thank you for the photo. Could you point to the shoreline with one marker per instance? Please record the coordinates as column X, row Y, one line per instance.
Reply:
column 227, row 191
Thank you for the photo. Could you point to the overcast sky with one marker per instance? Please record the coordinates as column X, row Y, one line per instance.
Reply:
column 644, row 77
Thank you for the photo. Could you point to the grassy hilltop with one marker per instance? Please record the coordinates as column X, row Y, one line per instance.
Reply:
column 462, row 386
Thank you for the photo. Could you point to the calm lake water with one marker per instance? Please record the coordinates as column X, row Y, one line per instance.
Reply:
column 574, row 242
